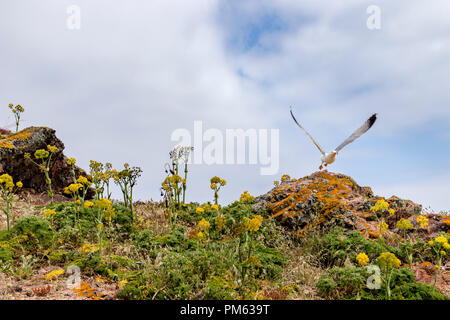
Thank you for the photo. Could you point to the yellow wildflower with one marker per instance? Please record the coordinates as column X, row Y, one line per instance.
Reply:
column 362, row 259
column 84, row 181
column 441, row 240
column 253, row 224
column 103, row 204
column 199, row 210
column 215, row 207
column 71, row 161
column 383, row 226
column 380, row 206
column 52, row 149
column 49, row 213
column 89, row 248
column 422, row 221
column 203, row 224
column 7, row 181
column 88, row 204
column 54, row 274
column 201, row 235
column 389, row 260
column 404, row 224
column 73, row 188
column 246, row 197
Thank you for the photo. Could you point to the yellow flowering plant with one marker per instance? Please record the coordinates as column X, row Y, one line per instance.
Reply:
column 99, row 175
column 216, row 184
column 44, row 157
column 49, row 214
column 439, row 246
column 17, row 111
column 107, row 176
column 422, row 221
column 126, row 179
column 71, row 162
column 388, row 262
column 78, row 191
column 246, row 243
column 380, row 209
column 246, row 197
column 174, row 187
column 54, row 274
column 7, row 190
column 199, row 210
column 104, row 212
column 88, row 248
column 170, row 189
column 362, row 259
column 403, row 225
column 203, row 225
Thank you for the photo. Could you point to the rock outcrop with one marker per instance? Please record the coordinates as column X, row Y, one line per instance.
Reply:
column 13, row 147
column 326, row 199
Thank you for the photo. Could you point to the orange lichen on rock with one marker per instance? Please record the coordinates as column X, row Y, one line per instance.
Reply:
column 22, row 135
column 328, row 191
column 85, row 290
column 6, row 141
column 6, row 145
column 326, row 197
column 446, row 221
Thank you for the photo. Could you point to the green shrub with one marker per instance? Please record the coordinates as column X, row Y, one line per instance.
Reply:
column 57, row 256
column 338, row 246
column 417, row 291
column 6, row 254
column 37, row 231
column 326, row 285
column 272, row 262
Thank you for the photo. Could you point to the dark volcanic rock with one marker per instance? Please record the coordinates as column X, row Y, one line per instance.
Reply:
column 13, row 147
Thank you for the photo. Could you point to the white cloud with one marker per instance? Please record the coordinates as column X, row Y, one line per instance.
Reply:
column 116, row 89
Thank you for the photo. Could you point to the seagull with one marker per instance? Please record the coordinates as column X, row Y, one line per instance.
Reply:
column 329, row 158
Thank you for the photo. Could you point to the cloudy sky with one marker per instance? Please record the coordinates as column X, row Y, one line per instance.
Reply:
column 117, row 88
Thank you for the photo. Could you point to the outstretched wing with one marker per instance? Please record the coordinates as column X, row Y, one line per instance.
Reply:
column 312, row 139
column 358, row 133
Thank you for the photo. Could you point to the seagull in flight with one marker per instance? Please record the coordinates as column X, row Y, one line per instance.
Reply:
column 329, row 158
